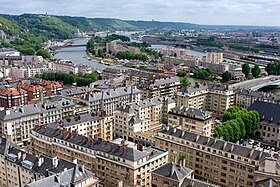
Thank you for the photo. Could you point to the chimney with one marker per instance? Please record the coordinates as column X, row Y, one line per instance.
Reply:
column 112, row 146
column 57, row 178
column 83, row 168
column 124, row 149
column 40, row 161
column 23, row 156
column 65, row 133
column 119, row 147
column 75, row 161
column 55, row 161
column 131, row 94
column 139, row 147
column 174, row 130
column 19, row 155
column 8, row 112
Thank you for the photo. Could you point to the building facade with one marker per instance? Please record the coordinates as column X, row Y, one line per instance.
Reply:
column 212, row 97
column 141, row 116
column 216, row 161
column 116, row 163
column 193, row 120
column 19, row 168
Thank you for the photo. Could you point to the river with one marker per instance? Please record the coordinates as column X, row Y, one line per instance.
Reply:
column 78, row 56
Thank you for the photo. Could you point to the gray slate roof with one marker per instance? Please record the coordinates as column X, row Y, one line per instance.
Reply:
column 269, row 112
column 173, row 171
column 217, row 144
column 98, row 145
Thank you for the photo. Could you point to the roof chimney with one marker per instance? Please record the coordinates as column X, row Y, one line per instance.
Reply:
column 55, row 161
column 41, row 161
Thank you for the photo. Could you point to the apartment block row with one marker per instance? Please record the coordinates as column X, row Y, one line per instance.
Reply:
column 217, row 161
column 142, row 116
column 217, row 98
column 16, row 123
column 19, row 168
column 91, row 125
column 24, row 93
column 116, row 163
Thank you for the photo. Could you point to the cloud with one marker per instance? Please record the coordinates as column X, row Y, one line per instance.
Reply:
column 237, row 12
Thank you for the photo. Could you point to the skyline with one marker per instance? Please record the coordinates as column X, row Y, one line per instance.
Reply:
column 206, row 12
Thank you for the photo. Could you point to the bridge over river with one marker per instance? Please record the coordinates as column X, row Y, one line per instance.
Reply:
column 256, row 84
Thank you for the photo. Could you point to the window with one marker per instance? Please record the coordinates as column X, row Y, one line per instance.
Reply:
column 166, row 182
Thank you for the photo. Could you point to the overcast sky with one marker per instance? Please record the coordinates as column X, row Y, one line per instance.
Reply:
column 230, row 12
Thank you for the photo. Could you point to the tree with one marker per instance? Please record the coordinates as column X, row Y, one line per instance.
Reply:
column 246, row 69
column 181, row 73
column 27, row 51
column 256, row 71
column 185, row 82
column 44, row 53
column 237, row 124
column 226, row 76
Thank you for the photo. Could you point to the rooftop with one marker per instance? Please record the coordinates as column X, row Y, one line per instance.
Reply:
column 216, row 144
column 112, row 148
column 269, row 112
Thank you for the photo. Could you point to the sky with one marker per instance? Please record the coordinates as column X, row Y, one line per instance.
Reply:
column 210, row 12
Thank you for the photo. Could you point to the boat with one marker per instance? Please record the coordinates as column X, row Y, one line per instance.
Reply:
column 101, row 62
column 89, row 58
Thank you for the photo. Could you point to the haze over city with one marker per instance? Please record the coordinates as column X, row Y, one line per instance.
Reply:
column 221, row 12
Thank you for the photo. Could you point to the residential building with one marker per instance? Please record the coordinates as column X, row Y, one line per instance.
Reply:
column 207, row 96
column 16, row 123
column 167, row 87
column 111, row 73
column 216, row 161
column 245, row 98
column 214, row 58
column 142, row 116
column 269, row 121
column 108, row 101
column 91, row 125
column 65, row 66
column 173, row 51
column 10, row 97
column 19, row 168
column 116, row 163
column 191, row 119
column 175, row 175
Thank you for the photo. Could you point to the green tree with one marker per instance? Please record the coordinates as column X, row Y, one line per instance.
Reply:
column 44, row 53
column 185, row 82
column 181, row 73
column 246, row 69
column 256, row 71
column 226, row 76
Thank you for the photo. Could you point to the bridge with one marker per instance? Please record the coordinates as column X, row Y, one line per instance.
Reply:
column 256, row 84
column 275, row 83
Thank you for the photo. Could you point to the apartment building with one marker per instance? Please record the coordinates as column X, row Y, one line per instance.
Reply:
column 111, row 73
column 269, row 121
column 16, row 123
column 191, row 119
column 207, row 96
column 167, row 87
column 65, row 66
column 175, row 175
column 19, row 168
column 90, row 124
column 111, row 99
column 142, row 116
column 217, row 161
column 116, row 163
column 245, row 98
column 43, row 89
column 214, row 57
column 10, row 97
